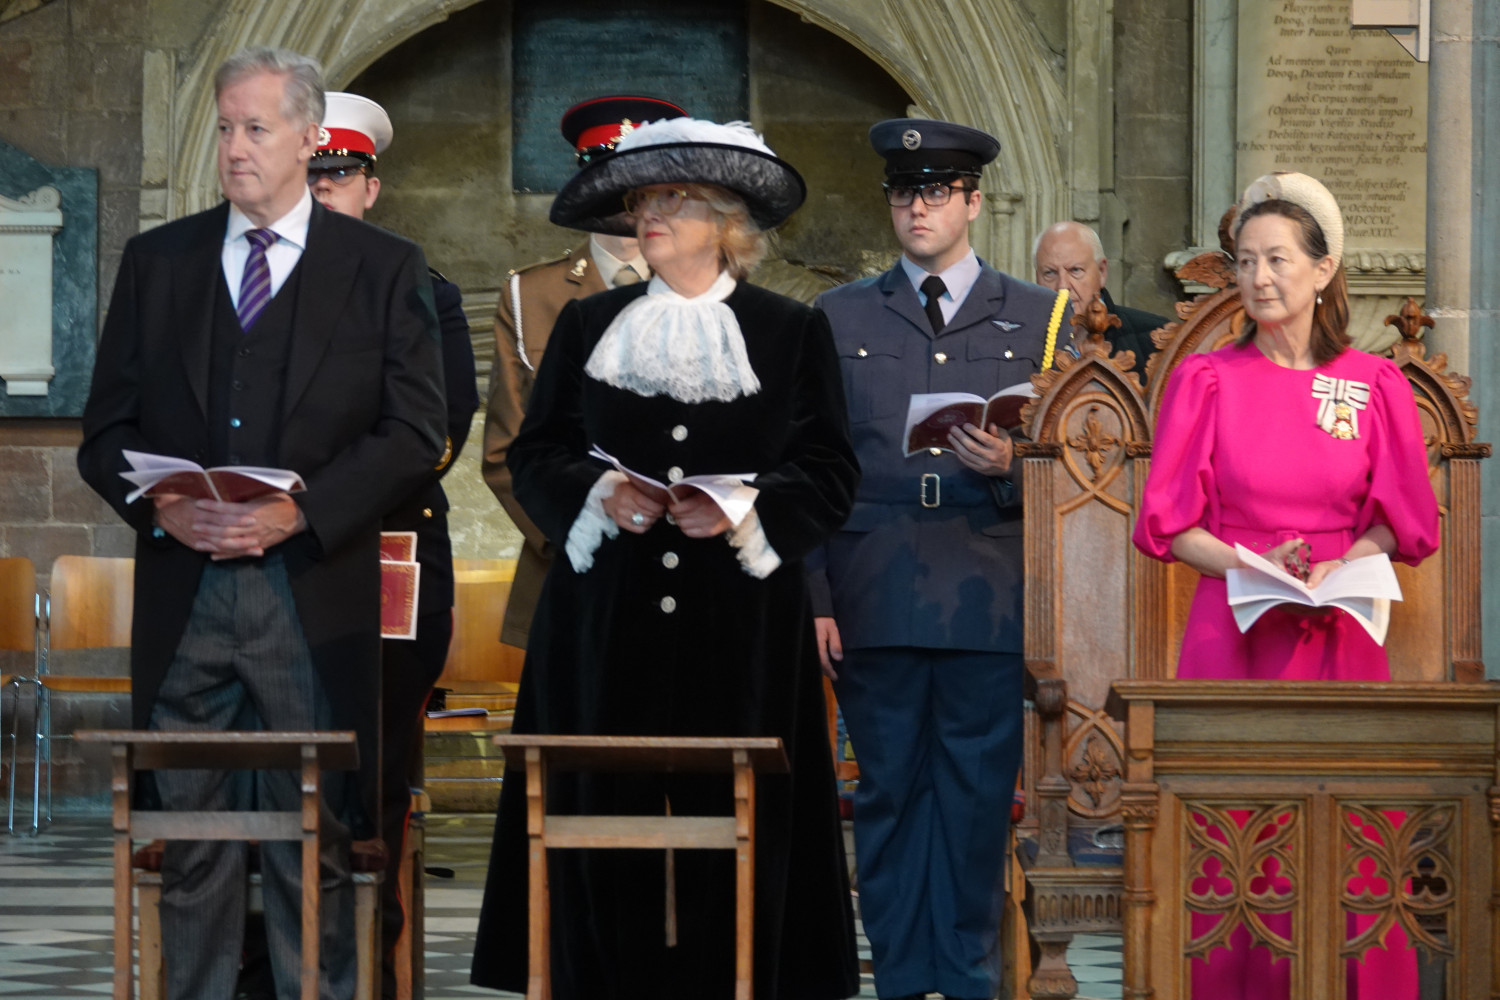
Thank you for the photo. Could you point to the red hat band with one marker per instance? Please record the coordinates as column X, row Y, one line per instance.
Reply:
column 350, row 139
column 604, row 135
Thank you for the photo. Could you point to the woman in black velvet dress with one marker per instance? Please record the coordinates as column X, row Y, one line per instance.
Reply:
column 685, row 618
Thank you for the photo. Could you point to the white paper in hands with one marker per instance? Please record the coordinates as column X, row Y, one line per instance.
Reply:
column 1363, row 587
column 729, row 490
column 154, row 475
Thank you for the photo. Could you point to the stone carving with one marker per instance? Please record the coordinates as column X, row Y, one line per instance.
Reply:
column 27, row 225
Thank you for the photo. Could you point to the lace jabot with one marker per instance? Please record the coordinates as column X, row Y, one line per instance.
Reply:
column 663, row 344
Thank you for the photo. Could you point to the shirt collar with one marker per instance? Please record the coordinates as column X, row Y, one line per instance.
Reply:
column 609, row 265
column 290, row 228
column 958, row 279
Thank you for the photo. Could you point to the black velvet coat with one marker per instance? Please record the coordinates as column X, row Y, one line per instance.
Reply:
column 734, row 655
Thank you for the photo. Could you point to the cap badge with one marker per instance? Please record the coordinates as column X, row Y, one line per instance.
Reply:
column 911, row 139
column 324, row 136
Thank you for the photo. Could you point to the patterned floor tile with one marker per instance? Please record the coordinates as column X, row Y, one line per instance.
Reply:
column 56, row 924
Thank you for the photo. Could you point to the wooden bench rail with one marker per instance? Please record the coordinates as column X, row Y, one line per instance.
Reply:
column 741, row 757
column 652, row 754
column 309, row 753
column 250, row 750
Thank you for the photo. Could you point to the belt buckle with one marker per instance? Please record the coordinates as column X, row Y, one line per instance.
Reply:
column 937, row 489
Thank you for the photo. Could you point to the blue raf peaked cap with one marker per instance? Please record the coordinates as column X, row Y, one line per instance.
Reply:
column 923, row 149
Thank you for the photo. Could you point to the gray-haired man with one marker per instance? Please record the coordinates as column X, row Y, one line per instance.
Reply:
column 221, row 346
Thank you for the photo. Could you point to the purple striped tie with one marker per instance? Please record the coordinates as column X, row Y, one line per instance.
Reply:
column 255, row 285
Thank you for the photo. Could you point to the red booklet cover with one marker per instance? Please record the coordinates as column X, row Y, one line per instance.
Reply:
column 400, row 582
column 930, row 416
column 162, row 475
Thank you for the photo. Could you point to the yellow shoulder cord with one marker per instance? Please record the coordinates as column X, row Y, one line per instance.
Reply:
column 1052, row 327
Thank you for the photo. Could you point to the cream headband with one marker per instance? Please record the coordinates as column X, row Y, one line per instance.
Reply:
column 1304, row 192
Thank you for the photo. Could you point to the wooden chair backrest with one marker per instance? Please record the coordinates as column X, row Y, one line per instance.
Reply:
column 481, row 588
column 17, row 604
column 91, row 601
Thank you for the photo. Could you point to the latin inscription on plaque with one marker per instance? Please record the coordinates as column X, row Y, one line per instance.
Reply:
column 1348, row 107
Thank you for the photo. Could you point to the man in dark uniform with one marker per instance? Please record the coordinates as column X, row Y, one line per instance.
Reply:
column 918, row 598
column 529, row 304
column 342, row 177
column 1068, row 256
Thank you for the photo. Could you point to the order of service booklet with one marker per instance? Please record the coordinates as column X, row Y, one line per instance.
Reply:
column 1362, row 587
column 400, row 582
column 159, row 475
column 931, row 415
column 730, row 490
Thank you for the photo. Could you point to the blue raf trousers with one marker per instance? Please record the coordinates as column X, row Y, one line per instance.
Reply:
column 937, row 734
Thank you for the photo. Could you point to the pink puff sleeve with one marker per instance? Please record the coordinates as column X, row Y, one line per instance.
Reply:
column 1400, row 496
column 1179, row 490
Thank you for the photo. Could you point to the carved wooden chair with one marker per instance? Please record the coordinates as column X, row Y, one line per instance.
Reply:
column 1099, row 611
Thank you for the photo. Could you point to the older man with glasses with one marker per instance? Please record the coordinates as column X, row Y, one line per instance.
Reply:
column 918, row 598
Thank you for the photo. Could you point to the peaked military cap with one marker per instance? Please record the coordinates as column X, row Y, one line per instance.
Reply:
column 355, row 130
column 593, row 127
column 920, row 150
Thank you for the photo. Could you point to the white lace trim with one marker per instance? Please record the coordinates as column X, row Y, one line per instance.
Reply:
column 753, row 548
column 663, row 344
column 592, row 525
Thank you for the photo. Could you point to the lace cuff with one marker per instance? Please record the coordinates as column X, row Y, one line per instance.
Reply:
column 593, row 525
column 753, row 548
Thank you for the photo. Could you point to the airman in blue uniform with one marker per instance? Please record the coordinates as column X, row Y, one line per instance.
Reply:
column 919, row 596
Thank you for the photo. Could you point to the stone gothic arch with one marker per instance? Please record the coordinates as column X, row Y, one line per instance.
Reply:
column 977, row 61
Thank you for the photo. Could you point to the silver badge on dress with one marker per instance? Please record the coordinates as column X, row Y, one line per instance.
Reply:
column 911, row 139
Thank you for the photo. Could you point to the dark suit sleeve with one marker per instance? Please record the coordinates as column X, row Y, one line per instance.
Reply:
column 391, row 460
column 111, row 417
column 459, row 379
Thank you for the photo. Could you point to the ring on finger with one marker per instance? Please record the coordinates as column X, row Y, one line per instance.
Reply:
column 637, row 519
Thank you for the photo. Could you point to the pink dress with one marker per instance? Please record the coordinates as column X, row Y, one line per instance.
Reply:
column 1239, row 451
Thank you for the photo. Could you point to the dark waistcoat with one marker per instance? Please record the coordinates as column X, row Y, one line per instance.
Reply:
column 246, row 378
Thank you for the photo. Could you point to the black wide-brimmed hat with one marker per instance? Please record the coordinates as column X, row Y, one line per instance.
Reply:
column 680, row 151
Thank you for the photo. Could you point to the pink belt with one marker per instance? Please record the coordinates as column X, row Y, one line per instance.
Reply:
column 1325, row 544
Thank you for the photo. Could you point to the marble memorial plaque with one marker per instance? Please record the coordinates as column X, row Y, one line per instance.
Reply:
column 1347, row 107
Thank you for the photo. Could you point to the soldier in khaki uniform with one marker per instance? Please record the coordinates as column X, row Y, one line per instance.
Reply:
column 529, row 304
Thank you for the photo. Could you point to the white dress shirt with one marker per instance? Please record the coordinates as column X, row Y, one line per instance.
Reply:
column 959, row 279
column 609, row 265
column 281, row 256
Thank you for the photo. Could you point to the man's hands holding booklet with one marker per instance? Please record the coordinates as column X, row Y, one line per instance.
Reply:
column 228, row 530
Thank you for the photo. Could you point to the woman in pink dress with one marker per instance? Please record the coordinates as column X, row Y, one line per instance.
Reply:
column 1284, row 437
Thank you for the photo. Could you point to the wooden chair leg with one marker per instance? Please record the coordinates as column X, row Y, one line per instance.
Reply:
column 744, row 852
column 539, row 957
column 124, row 984
column 153, row 984
column 311, row 877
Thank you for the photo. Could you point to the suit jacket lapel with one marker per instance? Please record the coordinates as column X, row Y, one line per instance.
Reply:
column 322, row 289
column 196, row 277
column 902, row 299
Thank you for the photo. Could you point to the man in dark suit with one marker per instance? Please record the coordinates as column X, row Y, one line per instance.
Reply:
column 266, row 331
column 918, row 597
column 529, row 305
column 342, row 178
column 1068, row 256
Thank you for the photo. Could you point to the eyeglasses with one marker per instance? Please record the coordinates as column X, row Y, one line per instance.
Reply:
column 339, row 175
column 666, row 200
column 933, row 195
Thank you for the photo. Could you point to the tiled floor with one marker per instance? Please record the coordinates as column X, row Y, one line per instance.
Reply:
column 55, row 914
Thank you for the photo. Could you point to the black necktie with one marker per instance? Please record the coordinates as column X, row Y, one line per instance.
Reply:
column 933, row 288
